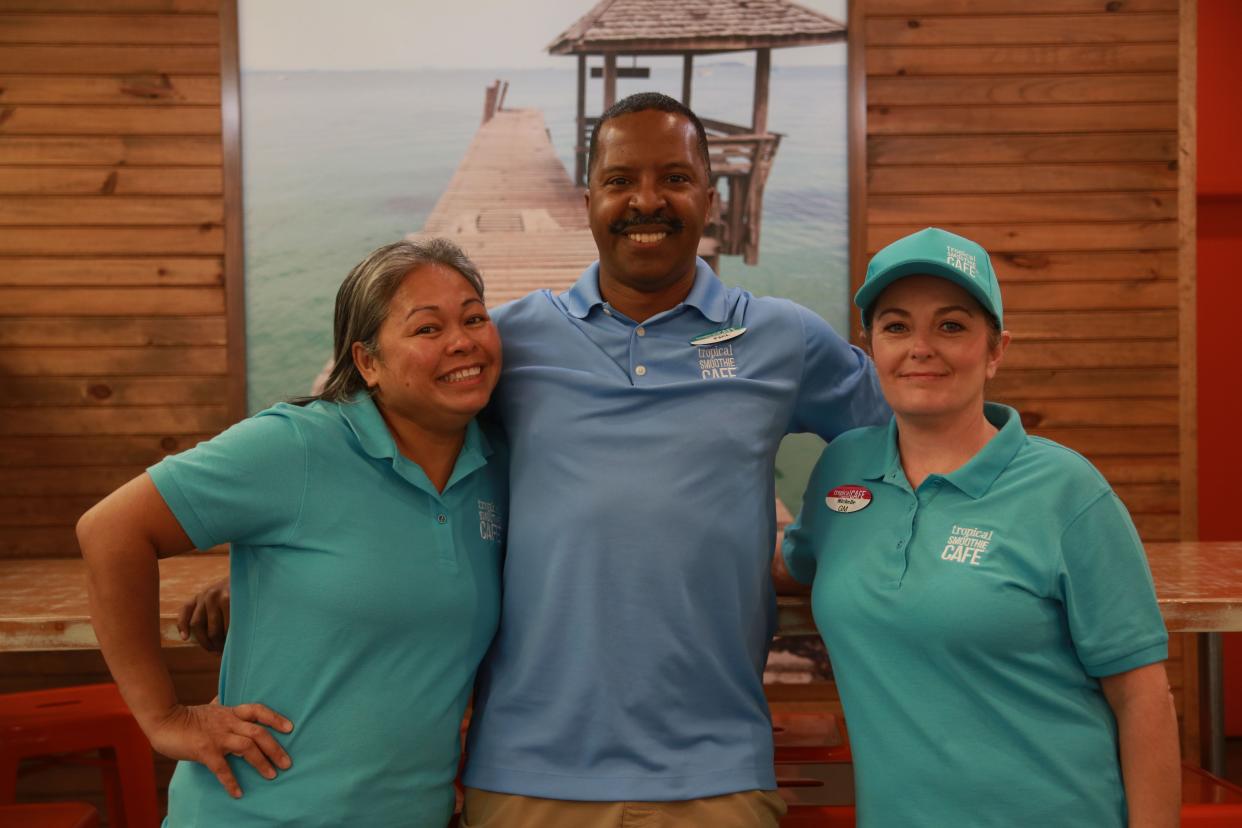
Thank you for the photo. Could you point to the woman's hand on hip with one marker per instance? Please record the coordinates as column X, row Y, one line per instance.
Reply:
column 208, row 733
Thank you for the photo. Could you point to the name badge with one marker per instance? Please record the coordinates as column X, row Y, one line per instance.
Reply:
column 719, row 335
column 850, row 498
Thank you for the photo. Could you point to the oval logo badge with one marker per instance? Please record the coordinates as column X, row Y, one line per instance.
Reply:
column 720, row 335
column 850, row 498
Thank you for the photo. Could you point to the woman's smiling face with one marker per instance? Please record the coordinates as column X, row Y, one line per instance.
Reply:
column 933, row 348
column 438, row 354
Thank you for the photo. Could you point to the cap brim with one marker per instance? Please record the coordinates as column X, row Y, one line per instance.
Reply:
column 872, row 288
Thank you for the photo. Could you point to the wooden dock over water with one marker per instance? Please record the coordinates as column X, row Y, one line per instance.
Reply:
column 513, row 209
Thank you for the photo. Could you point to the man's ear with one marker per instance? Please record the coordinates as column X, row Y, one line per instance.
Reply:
column 366, row 362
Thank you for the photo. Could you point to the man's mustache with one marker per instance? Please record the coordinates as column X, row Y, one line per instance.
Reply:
column 621, row 225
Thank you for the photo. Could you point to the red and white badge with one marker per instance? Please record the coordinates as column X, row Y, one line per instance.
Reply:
column 850, row 498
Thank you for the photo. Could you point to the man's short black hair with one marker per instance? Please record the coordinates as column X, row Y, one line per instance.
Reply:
column 641, row 102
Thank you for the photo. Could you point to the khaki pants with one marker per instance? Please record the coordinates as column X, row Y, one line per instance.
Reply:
column 747, row 809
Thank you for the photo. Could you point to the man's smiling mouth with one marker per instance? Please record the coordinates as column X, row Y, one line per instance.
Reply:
column 646, row 226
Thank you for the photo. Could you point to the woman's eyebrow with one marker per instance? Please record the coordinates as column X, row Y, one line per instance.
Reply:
column 951, row 308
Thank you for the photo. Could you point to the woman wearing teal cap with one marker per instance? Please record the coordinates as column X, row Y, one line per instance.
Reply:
column 366, row 527
column 983, row 594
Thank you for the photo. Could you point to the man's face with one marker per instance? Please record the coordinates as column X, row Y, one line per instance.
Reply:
column 648, row 200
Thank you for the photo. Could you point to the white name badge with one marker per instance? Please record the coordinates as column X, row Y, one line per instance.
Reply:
column 721, row 335
column 848, row 499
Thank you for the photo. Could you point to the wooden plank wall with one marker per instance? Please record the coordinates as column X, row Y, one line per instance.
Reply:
column 118, row 305
column 113, row 329
column 1048, row 132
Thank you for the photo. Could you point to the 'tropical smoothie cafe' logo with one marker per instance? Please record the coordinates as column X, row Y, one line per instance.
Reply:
column 966, row 545
column 491, row 527
column 963, row 261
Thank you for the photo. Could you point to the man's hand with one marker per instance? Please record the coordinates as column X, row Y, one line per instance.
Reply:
column 205, row 617
column 207, row 733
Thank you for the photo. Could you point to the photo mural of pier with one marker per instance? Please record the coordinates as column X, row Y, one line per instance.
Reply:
column 339, row 160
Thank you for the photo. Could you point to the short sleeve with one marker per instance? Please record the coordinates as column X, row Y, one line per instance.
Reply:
column 1105, row 584
column 838, row 389
column 801, row 537
column 245, row 485
column 799, row 550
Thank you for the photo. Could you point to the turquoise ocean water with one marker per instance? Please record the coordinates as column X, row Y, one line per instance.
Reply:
column 337, row 163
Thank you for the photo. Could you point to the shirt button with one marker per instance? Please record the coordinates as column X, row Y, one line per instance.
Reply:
column 641, row 370
column 442, row 518
column 641, row 331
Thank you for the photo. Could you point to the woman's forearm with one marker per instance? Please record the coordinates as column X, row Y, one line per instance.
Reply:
column 124, row 604
column 1147, row 732
column 122, row 539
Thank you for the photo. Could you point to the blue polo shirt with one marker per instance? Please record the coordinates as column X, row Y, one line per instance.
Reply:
column 968, row 623
column 362, row 602
column 638, row 605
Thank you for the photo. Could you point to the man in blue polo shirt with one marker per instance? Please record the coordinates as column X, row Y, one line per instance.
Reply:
column 644, row 407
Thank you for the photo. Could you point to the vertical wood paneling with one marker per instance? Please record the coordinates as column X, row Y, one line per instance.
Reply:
column 1057, row 135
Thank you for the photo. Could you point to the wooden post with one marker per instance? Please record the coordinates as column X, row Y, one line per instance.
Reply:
column 856, row 153
column 489, row 101
column 610, row 80
column 234, row 249
column 687, row 75
column 763, row 71
column 1203, row 723
column 580, row 129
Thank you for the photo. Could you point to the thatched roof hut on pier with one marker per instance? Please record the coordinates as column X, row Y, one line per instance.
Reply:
column 741, row 154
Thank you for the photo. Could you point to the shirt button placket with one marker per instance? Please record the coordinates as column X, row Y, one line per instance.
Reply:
column 640, row 331
column 444, row 540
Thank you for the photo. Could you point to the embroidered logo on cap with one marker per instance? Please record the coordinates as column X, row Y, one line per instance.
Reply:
column 963, row 261
column 849, row 498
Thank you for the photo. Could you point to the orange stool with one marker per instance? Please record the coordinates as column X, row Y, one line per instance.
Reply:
column 49, row 815
column 62, row 725
column 1208, row 801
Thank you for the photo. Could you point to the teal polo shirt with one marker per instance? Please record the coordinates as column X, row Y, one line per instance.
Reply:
column 362, row 602
column 968, row 623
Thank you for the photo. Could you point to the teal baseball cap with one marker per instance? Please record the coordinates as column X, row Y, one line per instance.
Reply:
column 933, row 252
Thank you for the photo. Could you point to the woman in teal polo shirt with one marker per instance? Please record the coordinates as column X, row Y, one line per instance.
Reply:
column 366, row 527
column 983, row 594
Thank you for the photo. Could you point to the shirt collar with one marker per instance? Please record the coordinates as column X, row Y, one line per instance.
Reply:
column 584, row 294
column 368, row 425
column 882, row 463
column 707, row 295
column 980, row 472
column 978, row 475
